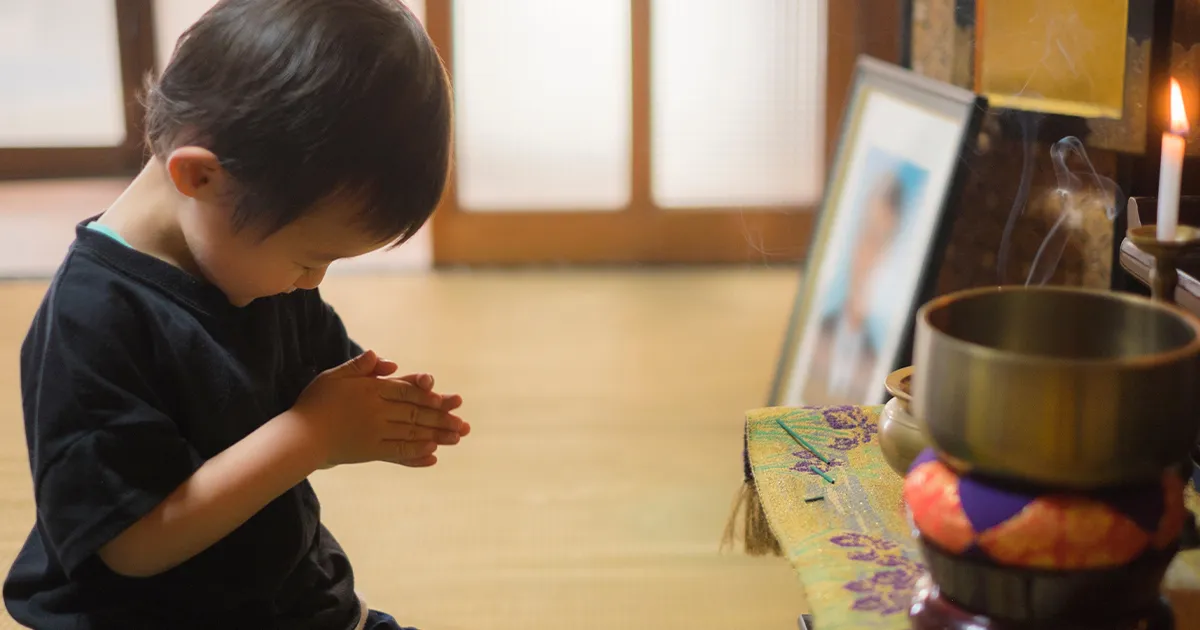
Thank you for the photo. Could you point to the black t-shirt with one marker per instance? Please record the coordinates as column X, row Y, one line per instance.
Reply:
column 132, row 375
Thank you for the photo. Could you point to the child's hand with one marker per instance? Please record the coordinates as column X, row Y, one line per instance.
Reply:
column 385, row 368
column 425, row 381
column 357, row 417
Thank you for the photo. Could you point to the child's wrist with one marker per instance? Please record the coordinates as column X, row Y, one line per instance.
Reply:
column 307, row 441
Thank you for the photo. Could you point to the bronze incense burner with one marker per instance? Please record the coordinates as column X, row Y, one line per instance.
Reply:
column 901, row 437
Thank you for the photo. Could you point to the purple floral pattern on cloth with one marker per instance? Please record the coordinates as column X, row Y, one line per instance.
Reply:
column 859, row 426
column 806, row 461
column 889, row 589
column 855, row 426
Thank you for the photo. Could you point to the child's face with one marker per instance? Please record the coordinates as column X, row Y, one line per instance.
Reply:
column 246, row 267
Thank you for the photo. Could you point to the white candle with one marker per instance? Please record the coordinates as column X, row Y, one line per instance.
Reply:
column 1170, row 170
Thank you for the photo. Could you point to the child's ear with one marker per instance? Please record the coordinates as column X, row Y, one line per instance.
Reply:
column 197, row 173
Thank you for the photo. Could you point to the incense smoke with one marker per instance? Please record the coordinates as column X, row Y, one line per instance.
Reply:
column 1079, row 190
column 1076, row 196
column 1029, row 123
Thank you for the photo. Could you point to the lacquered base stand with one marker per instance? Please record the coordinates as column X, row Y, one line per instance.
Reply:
column 932, row 611
column 976, row 594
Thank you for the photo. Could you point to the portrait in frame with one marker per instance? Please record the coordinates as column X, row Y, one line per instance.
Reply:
column 883, row 225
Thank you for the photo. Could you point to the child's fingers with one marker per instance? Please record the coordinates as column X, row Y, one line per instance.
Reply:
column 451, row 402
column 406, row 392
column 422, row 415
column 447, row 438
column 424, row 381
column 424, row 462
column 407, row 432
column 412, row 433
column 385, row 368
column 425, row 416
column 400, row 451
column 465, row 429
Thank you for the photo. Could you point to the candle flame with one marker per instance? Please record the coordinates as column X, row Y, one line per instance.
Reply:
column 1179, row 120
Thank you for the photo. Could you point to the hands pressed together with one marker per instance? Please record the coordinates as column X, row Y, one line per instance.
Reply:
column 361, row 412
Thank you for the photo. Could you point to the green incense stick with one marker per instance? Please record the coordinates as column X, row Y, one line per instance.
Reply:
column 803, row 442
column 823, row 475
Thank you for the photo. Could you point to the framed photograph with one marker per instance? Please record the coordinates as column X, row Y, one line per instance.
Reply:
column 882, row 230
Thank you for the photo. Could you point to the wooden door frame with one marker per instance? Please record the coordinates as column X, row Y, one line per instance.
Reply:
column 136, row 46
column 641, row 233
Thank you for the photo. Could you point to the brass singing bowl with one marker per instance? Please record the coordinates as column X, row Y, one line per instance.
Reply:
column 1060, row 386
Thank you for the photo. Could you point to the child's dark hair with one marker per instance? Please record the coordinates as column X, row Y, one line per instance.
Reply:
column 304, row 100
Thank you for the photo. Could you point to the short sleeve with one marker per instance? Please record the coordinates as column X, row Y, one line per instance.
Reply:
column 333, row 346
column 103, row 451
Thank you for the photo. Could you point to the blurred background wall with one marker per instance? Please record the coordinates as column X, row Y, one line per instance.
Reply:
column 585, row 132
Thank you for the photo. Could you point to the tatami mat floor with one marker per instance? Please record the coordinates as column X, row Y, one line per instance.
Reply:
column 608, row 412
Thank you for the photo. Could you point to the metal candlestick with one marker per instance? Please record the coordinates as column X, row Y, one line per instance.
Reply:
column 1164, row 274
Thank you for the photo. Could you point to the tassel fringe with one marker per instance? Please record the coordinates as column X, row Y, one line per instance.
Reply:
column 758, row 539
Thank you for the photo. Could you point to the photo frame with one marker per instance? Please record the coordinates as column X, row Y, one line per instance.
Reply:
column 880, row 237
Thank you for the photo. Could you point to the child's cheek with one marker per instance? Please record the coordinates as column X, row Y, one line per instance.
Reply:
column 242, row 282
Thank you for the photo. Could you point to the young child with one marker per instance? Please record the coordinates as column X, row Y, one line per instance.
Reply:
column 183, row 377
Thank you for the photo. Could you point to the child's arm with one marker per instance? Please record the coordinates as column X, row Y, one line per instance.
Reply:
column 345, row 416
column 221, row 495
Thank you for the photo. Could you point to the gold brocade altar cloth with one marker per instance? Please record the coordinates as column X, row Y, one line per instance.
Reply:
column 853, row 546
